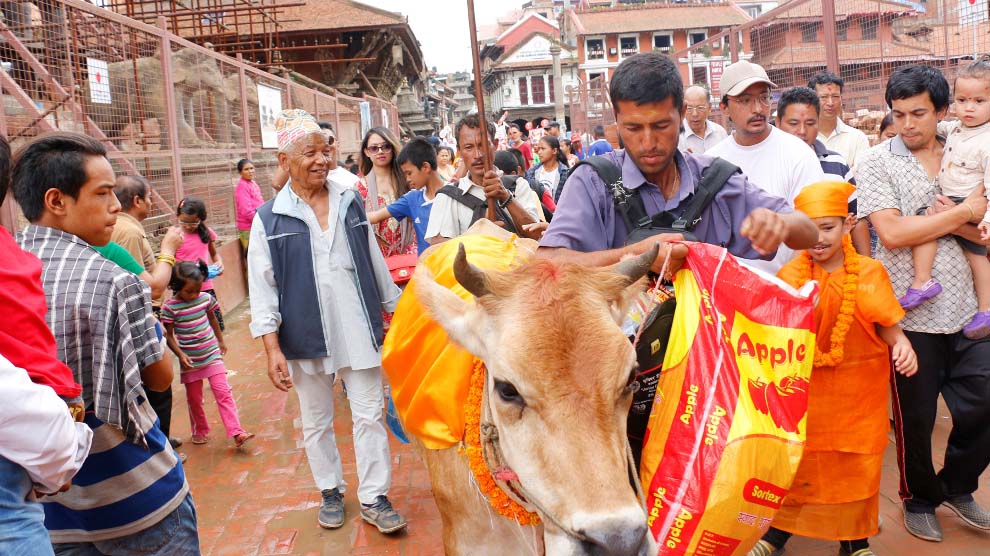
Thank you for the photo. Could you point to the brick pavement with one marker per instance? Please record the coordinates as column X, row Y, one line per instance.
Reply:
column 262, row 501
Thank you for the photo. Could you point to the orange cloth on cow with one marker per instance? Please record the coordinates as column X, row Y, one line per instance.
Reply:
column 430, row 376
column 834, row 494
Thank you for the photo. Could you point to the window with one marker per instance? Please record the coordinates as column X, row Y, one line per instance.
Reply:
column 628, row 46
column 663, row 43
column 539, row 92
column 809, row 32
column 593, row 76
column 595, row 49
column 869, row 27
column 842, row 30
column 523, row 91
column 754, row 11
column 699, row 75
column 696, row 37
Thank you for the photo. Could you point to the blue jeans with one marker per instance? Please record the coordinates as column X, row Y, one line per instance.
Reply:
column 176, row 535
column 22, row 523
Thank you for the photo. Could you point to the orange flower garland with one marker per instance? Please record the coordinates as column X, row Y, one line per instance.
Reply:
column 497, row 498
column 847, row 309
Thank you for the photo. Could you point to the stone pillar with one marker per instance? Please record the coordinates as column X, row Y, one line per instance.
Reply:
column 558, row 88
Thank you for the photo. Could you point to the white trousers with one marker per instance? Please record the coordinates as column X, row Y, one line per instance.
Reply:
column 314, row 386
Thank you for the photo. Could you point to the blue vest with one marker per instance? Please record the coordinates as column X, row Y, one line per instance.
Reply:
column 300, row 336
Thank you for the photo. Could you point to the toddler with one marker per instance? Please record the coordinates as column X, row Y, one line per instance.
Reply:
column 194, row 335
column 965, row 166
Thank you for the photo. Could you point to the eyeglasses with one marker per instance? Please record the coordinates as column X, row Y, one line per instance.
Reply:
column 696, row 109
column 748, row 100
column 383, row 148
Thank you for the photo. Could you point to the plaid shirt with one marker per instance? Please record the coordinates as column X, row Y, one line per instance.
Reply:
column 103, row 325
column 890, row 177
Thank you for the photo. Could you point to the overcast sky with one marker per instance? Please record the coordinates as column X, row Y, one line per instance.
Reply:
column 442, row 29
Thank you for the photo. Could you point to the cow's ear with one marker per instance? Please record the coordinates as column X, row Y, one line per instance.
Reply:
column 465, row 322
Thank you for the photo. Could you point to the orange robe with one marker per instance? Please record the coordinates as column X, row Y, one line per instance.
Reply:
column 835, row 494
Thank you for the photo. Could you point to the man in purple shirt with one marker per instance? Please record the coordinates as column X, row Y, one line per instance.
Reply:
column 648, row 99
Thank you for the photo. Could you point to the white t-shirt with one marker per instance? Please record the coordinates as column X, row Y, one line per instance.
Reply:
column 781, row 165
column 449, row 219
column 549, row 179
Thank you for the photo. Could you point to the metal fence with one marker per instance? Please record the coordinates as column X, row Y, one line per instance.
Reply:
column 177, row 113
column 590, row 105
column 863, row 41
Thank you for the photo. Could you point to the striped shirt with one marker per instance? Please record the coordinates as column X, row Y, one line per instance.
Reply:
column 101, row 317
column 192, row 328
column 833, row 164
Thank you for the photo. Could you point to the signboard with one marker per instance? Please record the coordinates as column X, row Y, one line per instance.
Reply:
column 972, row 12
column 715, row 71
column 99, row 81
column 366, row 123
column 269, row 105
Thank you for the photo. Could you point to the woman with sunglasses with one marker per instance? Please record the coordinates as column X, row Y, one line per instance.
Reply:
column 382, row 183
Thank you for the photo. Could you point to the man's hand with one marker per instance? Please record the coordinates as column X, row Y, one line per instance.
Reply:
column 536, row 229
column 278, row 370
column 677, row 253
column 975, row 202
column 984, row 228
column 765, row 229
column 493, row 187
column 171, row 241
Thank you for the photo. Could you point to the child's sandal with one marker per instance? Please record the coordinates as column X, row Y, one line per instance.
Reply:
column 240, row 439
column 196, row 439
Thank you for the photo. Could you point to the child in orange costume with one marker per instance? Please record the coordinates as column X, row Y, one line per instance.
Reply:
column 835, row 494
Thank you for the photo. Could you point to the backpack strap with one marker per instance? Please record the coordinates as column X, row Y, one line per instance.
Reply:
column 628, row 202
column 713, row 178
column 479, row 207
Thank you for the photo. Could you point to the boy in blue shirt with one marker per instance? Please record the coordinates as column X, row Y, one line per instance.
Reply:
column 418, row 160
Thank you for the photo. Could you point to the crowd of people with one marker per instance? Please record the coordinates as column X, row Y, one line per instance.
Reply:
column 895, row 234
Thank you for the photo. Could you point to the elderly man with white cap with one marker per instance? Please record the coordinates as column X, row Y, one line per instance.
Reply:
column 777, row 162
column 318, row 286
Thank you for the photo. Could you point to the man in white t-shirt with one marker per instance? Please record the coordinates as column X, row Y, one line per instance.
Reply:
column 451, row 218
column 777, row 162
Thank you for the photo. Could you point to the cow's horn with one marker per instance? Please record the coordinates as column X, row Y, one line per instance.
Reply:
column 469, row 276
column 637, row 267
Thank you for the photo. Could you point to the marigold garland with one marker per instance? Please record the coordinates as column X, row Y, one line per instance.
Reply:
column 497, row 498
column 847, row 309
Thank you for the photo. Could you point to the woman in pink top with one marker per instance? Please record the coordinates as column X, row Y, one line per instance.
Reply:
column 247, row 199
column 198, row 243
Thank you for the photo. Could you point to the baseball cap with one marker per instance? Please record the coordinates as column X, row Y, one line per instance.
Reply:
column 737, row 77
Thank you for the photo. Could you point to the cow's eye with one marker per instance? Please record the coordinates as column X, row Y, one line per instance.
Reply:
column 508, row 393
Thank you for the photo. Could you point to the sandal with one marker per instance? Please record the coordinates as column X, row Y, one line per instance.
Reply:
column 240, row 439
column 197, row 439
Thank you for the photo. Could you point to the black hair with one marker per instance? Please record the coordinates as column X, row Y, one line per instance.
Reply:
column 798, row 95
column 472, row 121
column 325, row 125
column 910, row 81
column 598, row 132
column 554, row 124
column 825, row 78
column 515, row 125
column 554, row 144
column 56, row 160
column 194, row 206
column 450, row 152
column 416, row 152
column 4, row 167
column 520, row 157
column 184, row 271
column 506, row 162
column 979, row 69
column 129, row 187
column 887, row 121
column 243, row 162
column 646, row 77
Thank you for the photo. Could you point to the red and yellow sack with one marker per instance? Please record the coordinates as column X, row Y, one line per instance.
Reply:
column 728, row 423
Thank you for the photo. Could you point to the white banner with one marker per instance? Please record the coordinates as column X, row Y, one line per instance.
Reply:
column 269, row 105
column 99, row 81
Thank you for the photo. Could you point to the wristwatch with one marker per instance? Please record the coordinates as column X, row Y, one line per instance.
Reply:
column 505, row 204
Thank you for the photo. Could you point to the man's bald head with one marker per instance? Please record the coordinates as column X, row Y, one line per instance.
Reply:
column 696, row 107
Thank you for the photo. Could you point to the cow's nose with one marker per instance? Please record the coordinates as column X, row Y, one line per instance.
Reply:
column 622, row 534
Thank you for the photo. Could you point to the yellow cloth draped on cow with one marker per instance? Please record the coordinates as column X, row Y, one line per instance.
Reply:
column 429, row 375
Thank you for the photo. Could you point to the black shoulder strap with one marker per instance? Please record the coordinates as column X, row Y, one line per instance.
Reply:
column 466, row 199
column 627, row 201
column 713, row 178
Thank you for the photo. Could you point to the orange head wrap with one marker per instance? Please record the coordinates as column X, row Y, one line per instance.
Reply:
column 825, row 198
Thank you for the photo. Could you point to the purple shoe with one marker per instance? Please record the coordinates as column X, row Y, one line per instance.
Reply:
column 979, row 327
column 915, row 297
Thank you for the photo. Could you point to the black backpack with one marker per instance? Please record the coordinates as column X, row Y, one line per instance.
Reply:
column 656, row 328
column 630, row 204
column 479, row 207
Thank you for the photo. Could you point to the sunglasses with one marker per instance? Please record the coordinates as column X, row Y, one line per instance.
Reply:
column 374, row 149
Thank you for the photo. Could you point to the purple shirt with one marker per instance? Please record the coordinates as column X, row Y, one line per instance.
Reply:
column 586, row 218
